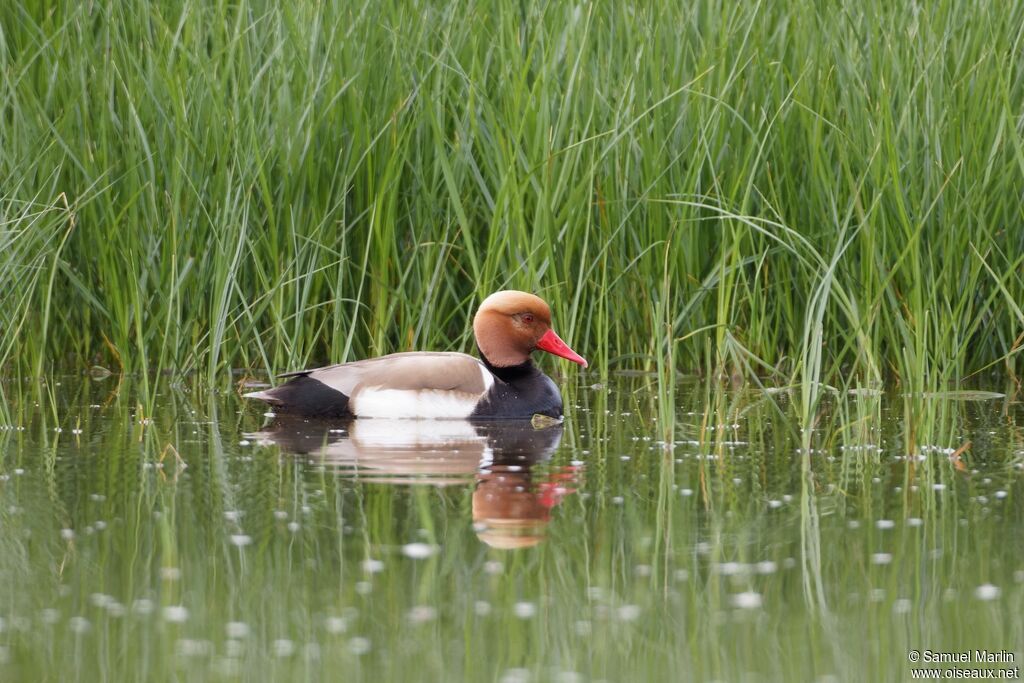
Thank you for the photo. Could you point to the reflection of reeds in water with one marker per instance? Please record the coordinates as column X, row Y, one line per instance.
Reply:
column 279, row 565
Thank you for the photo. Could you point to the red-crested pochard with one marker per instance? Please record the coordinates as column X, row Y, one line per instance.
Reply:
column 504, row 383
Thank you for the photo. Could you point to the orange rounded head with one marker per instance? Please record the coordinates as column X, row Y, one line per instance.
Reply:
column 510, row 325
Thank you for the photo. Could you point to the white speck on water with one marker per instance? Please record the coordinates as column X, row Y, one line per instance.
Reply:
column 280, row 514
column 243, row 442
column 270, row 413
column 142, row 606
column 629, row 612
column 617, row 500
column 79, row 624
column 885, row 524
column 515, row 676
column 283, row 647
column 939, row 487
column 371, row 566
column 176, row 614
column 232, row 515
column 293, row 527
column 853, row 524
column 493, row 567
column 987, row 591
column 419, row 551
column 241, row 540
column 359, row 645
column 746, row 600
column 524, row 610
column 170, row 573
column 774, row 504
column 67, row 534
column 902, row 606
column 237, row 629
column 702, row 548
column 100, row 599
column 1001, row 494
column 421, row 614
column 915, row 521
column 787, row 498
column 686, row 492
column 100, row 525
column 19, row 471
column 766, row 567
column 335, row 625
column 881, row 558
column 482, row 608
column 189, row 647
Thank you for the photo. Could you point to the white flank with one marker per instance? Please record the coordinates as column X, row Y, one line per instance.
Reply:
column 422, row 404
column 487, row 377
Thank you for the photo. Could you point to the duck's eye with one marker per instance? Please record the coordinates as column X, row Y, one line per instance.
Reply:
column 527, row 318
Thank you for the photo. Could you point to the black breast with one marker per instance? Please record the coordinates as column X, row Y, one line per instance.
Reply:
column 519, row 391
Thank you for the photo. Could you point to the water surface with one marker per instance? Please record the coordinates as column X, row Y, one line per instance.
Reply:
column 190, row 537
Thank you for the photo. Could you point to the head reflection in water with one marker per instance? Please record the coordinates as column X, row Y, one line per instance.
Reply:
column 511, row 509
column 512, row 498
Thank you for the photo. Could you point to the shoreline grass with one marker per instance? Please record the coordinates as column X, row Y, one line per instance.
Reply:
column 823, row 194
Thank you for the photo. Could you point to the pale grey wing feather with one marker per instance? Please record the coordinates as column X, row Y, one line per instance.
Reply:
column 406, row 371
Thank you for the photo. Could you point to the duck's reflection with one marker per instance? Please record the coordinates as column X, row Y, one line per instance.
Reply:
column 512, row 498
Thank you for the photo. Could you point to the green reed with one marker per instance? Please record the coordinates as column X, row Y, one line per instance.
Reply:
column 191, row 186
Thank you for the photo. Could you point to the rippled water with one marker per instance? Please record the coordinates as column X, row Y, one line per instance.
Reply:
column 198, row 539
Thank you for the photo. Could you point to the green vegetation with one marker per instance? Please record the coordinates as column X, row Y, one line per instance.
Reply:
column 784, row 189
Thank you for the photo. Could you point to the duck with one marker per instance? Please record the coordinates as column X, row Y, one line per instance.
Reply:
column 503, row 383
